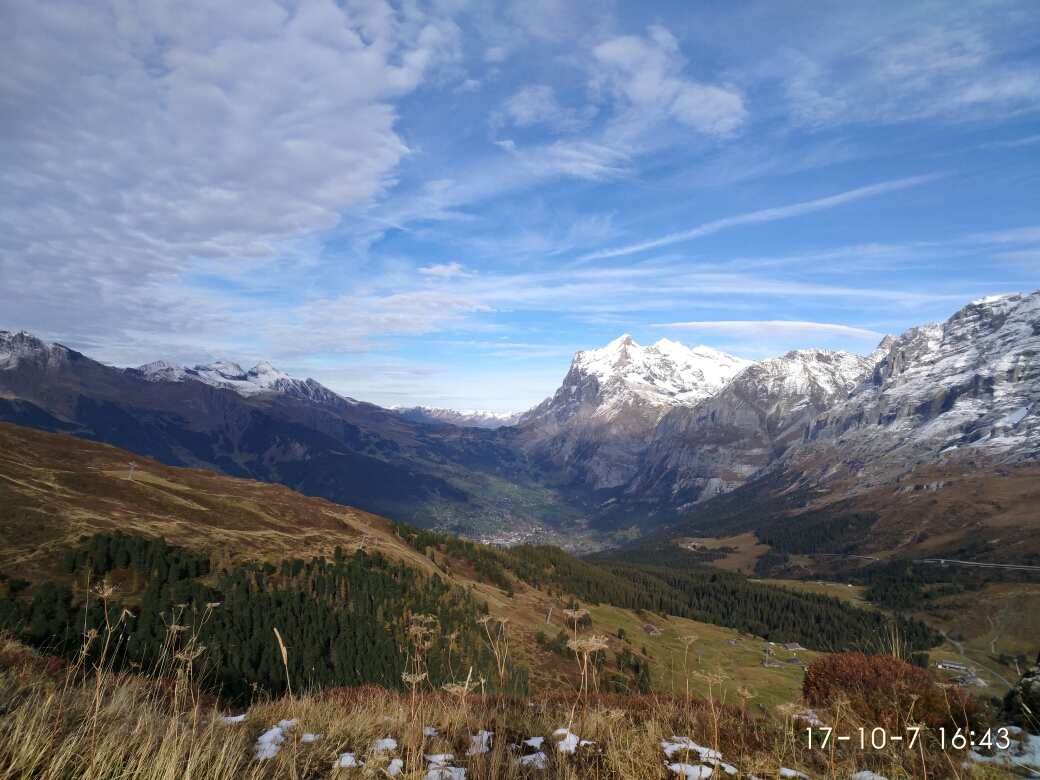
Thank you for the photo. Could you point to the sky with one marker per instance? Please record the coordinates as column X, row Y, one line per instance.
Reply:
column 440, row 203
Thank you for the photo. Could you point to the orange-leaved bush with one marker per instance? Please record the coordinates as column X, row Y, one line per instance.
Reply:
column 885, row 691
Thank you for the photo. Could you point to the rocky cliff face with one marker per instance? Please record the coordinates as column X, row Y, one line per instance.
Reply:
column 968, row 386
column 597, row 424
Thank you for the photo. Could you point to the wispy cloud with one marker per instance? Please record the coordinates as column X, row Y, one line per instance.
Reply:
column 764, row 215
column 944, row 72
column 444, row 270
column 773, row 329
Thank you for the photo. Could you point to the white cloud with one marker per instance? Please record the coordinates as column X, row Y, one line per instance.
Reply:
column 137, row 138
column 923, row 73
column 360, row 323
column 577, row 158
column 774, row 329
column 644, row 76
column 444, row 270
column 537, row 104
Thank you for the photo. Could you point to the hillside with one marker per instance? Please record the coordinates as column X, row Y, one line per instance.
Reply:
column 58, row 492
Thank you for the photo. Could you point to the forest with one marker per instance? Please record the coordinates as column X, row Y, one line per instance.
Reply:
column 346, row 620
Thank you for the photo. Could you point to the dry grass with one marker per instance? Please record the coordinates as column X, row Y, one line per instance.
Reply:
column 48, row 717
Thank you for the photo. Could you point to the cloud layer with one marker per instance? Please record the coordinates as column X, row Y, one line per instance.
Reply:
column 453, row 197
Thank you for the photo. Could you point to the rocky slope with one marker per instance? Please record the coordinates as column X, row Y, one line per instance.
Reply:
column 967, row 387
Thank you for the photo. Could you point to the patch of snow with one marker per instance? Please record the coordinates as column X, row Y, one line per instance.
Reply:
column 270, row 742
column 866, row 774
column 536, row 760
column 346, row 761
column 535, row 742
column 440, row 759
column 446, row 773
column 311, row 737
column 785, row 772
column 396, row 767
column 1014, row 418
column 233, row 718
column 810, row 717
column 691, row 771
column 1024, row 751
column 429, row 731
column 570, row 742
column 677, row 744
column 384, row 744
column 480, row 742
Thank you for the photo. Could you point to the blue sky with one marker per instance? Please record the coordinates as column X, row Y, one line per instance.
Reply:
column 440, row 203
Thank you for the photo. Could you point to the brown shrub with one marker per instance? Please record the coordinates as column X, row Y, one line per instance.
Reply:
column 886, row 691
column 24, row 661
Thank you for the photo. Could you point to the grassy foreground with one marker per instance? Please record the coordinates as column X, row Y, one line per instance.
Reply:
column 58, row 721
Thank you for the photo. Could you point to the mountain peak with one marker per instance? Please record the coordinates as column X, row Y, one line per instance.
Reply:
column 19, row 346
column 667, row 373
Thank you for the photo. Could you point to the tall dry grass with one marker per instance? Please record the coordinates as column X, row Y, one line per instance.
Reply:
column 51, row 713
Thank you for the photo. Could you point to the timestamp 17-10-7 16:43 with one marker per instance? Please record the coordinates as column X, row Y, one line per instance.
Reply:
column 823, row 737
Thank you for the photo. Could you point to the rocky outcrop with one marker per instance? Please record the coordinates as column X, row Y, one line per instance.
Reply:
column 1022, row 703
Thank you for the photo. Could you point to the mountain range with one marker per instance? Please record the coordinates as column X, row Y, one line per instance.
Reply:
column 635, row 437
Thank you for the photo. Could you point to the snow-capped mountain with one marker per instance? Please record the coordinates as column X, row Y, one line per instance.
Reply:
column 261, row 378
column 665, row 374
column 21, row 347
column 466, row 418
column 969, row 386
column 597, row 422
column 762, row 412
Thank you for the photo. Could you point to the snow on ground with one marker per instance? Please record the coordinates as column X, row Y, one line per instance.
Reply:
column 429, row 731
column 384, row 744
column 311, row 737
column 229, row 719
column 446, row 773
column 270, row 742
column 347, row 760
column 1024, row 751
column 691, row 771
column 536, row 760
column 785, row 772
column 684, row 746
column 677, row 744
column 866, row 774
column 535, row 742
column 569, row 742
column 396, row 767
column 481, row 742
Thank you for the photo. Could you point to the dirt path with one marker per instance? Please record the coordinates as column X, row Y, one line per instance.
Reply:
column 1003, row 625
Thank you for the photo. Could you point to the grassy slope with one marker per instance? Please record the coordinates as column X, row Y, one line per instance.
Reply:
column 54, row 488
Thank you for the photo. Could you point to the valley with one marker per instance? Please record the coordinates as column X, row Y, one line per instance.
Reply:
column 56, row 491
